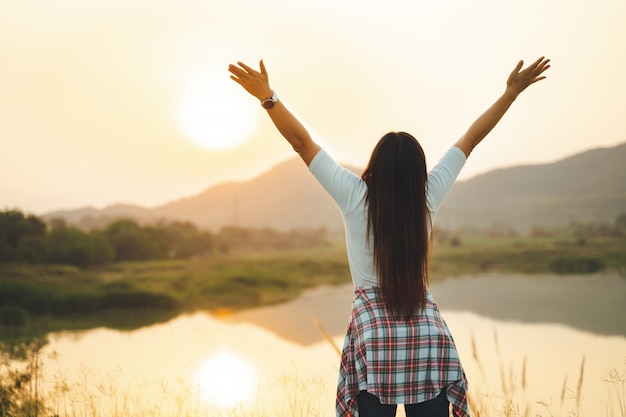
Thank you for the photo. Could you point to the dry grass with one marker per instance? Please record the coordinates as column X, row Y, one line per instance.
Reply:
column 514, row 397
column 89, row 394
column 93, row 395
column 616, row 393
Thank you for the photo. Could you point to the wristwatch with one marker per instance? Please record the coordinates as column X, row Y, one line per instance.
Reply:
column 268, row 103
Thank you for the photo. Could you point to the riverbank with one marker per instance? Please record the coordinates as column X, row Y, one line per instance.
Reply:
column 38, row 299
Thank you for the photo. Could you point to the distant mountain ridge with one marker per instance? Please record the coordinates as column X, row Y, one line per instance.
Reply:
column 589, row 187
column 586, row 187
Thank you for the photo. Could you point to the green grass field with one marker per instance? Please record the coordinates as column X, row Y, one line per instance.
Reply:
column 531, row 256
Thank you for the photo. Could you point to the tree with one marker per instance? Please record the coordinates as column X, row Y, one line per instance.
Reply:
column 15, row 227
column 32, row 249
column 183, row 240
column 102, row 251
column 69, row 245
column 131, row 242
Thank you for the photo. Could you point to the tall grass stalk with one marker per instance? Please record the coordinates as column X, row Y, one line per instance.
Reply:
column 515, row 396
column 616, row 392
column 327, row 337
column 579, row 386
column 20, row 378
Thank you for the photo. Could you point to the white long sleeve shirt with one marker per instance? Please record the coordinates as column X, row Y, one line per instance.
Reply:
column 349, row 192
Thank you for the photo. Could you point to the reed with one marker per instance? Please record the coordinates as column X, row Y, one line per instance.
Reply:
column 511, row 400
column 516, row 397
column 616, row 391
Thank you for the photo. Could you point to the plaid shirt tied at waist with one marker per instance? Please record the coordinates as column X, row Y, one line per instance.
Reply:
column 401, row 362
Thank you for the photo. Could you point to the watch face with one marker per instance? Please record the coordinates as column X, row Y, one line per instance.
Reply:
column 268, row 104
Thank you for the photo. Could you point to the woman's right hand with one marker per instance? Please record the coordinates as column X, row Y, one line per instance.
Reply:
column 255, row 82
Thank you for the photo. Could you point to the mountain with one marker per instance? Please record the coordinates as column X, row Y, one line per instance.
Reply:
column 90, row 218
column 586, row 187
column 286, row 197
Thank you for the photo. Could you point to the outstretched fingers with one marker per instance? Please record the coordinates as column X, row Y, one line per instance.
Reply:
column 535, row 69
column 247, row 68
column 242, row 70
column 262, row 66
column 540, row 66
column 522, row 78
column 253, row 81
column 537, row 62
column 236, row 71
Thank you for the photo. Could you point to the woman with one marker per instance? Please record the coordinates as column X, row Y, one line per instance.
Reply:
column 398, row 349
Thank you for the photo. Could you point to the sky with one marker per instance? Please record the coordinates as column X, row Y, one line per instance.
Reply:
column 108, row 101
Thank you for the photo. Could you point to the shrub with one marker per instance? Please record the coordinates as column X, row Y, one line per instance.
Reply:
column 137, row 299
column 576, row 265
column 13, row 316
column 19, row 393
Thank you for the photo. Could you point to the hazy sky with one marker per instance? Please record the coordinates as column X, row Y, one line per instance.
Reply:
column 99, row 100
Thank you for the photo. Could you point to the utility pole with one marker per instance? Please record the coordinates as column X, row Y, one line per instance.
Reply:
column 234, row 212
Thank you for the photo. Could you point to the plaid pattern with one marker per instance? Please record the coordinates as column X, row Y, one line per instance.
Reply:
column 401, row 362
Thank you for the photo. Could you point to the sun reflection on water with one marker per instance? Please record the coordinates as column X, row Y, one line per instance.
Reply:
column 227, row 380
column 208, row 366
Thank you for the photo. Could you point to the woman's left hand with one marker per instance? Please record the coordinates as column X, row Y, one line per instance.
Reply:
column 520, row 79
column 254, row 82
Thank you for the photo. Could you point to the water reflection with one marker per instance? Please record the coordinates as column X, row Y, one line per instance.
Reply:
column 227, row 380
column 181, row 367
column 593, row 303
column 154, row 371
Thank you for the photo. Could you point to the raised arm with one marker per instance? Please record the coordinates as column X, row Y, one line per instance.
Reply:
column 516, row 83
column 257, row 84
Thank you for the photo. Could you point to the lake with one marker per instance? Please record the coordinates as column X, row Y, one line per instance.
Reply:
column 523, row 341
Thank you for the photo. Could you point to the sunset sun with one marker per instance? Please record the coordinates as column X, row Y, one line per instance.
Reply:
column 216, row 114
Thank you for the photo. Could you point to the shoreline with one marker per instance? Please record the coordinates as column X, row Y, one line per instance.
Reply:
column 46, row 298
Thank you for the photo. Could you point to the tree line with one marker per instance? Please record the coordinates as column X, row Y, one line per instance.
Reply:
column 26, row 238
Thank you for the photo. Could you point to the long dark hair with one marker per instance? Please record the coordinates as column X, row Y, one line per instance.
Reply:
column 398, row 221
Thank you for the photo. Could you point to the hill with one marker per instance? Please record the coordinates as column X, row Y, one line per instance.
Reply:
column 586, row 187
column 589, row 187
column 286, row 197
